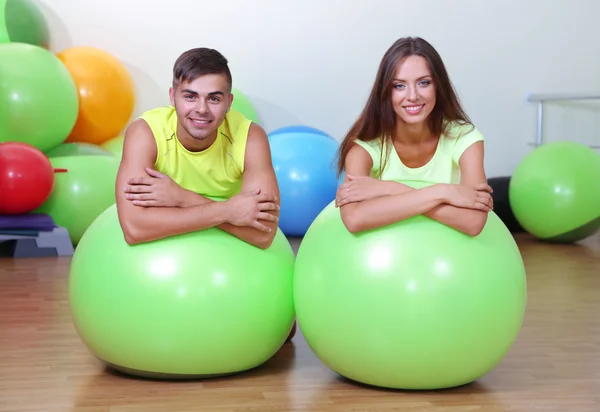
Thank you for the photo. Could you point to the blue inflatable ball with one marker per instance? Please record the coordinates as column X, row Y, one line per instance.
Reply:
column 305, row 167
column 298, row 129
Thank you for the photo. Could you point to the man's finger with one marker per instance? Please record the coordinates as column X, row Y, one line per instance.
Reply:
column 267, row 217
column 269, row 206
column 155, row 173
column 144, row 203
column 138, row 189
column 141, row 180
column 251, row 191
column 264, row 197
column 139, row 196
column 261, row 227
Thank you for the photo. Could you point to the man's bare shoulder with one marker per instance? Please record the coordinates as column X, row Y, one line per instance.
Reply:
column 139, row 140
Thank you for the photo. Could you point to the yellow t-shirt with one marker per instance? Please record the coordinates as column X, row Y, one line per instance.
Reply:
column 443, row 166
column 216, row 171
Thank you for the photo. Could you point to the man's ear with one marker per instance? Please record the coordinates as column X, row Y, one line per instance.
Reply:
column 230, row 101
column 172, row 96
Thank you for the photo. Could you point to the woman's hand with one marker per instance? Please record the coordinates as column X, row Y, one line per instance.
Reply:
column 359, row 188
column 470, row 197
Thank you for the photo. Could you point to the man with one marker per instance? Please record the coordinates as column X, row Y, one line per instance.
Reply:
column 176, row 157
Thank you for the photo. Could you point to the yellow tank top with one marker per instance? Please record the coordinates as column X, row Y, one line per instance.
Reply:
column 444, row 166
column 216, row 171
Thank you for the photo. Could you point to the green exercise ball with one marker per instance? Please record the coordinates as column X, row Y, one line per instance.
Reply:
column 4, row 38
column 195, row 305
column 38, row 97
column 77, row 149
column 81, row 193
column 242, row 104
column 25, row 23
column 554, row 192
column 414, row 305
column 115, row 146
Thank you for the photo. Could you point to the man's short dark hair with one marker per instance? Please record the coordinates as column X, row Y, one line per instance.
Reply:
column 198, row 62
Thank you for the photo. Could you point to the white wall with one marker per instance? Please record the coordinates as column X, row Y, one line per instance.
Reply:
column 313, row 61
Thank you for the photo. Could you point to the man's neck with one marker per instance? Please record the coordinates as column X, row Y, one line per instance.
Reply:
column 194, row 145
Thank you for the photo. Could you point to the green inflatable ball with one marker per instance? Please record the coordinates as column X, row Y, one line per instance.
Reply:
column 554, row 192
column 196, row 305
column 115, row 146
column 77, row 149
column 38, row 97
column 242, row 104
column 24, row 23
column 415, row 305
column 81, row 193
column 3, row 30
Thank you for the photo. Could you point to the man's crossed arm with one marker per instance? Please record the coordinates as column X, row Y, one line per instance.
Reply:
column 152, row 206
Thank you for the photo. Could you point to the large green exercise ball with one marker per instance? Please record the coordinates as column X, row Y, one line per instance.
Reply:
column 78, row 149
column 38, row 97
column 413, row 305
column 25, row 23
column 243, row 104
column 194, row 305
column 115, row 146
column 555, row 192
column 4, row 38
column 81, row 193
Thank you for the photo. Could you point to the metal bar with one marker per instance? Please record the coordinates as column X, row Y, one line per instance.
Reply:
column 565, row 96
column 540, row 124
column 541, row 98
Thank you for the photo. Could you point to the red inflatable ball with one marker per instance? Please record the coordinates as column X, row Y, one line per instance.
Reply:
column 26, row 178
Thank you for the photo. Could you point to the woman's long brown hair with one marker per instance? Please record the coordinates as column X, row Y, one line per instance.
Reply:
column 378, row 118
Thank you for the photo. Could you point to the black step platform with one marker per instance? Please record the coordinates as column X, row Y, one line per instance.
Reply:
column 38, row 244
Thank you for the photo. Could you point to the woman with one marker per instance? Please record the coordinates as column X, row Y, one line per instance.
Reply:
column 413, row 128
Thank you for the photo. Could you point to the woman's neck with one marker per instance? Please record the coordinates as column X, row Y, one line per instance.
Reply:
column 412, row 133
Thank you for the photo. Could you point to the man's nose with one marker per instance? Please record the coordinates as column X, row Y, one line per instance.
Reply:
column 202, row 106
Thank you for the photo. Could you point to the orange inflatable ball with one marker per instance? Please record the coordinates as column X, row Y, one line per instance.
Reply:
column 106, row 93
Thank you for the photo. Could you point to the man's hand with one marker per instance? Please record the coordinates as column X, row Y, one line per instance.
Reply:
column 155, row 190
column 359, row 188
column 249, row 208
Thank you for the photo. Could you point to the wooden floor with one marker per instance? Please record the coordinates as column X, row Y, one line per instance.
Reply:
column 554, row 366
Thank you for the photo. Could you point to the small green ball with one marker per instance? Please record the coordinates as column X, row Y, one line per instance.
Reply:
column 38, row 97
column 554, row 192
